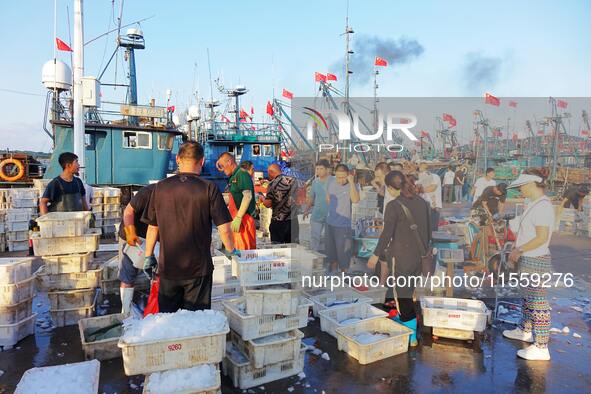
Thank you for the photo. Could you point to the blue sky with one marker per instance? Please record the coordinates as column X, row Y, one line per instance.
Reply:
column 537, row 48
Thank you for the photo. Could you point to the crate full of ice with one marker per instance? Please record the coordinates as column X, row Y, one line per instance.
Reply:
column 202, row 379
column 80, row 378
column 166, row 341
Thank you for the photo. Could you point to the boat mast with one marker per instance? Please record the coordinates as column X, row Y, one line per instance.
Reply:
column 78, row 66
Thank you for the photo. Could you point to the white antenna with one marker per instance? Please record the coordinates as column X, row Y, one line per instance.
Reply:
column 78, row 66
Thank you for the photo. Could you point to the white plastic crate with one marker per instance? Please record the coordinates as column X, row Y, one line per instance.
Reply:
column 18, row 246
column 96, row 208
column 366, row 353
column 112, row 217
column 450, row 255
column 11, row 314
column 22, row 225
column 377, row 294
column 162, row 355
column 46, row 375
column 70, row 299
column 111, row 207
column 333, row 318
column 10, row 334
column 24, row 193
column 66, row 245
column 69, row 281
column 112, row 200
column 110, row 192
column 105, row 349
column 16, row 236
column 274, row 301
column 222, row 269
column 200, row 389
column 229, row 288
column 68, row 263
column 63, row 224
column 40, row 185
column 271, row 349
column 15, row 269
column 2, row 243
column 106, row 222
column 245, row 376
column 454, row 313
column 252, row 327
column 19, row 215
column 16, row 292
column 337, row 299
column 23, row 203
column 69, row 317
column 265, row 267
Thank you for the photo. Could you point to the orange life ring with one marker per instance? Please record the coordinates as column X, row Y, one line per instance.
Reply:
column 19, row 165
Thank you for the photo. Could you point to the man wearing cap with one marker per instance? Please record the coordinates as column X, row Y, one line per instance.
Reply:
column 492, row 199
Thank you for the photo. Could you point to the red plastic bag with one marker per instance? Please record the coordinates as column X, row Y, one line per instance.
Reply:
column 152, row 305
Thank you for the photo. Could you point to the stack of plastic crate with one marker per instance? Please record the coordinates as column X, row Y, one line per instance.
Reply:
column 264, row 344
column 17, row 319
column 225, row 286
column 586, row 216
column 106, row 207
column 367, row 207
column 66, row 244
column 22, row 208
column 184, row 349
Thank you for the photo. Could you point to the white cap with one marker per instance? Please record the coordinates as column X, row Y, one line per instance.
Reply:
column 524, row 179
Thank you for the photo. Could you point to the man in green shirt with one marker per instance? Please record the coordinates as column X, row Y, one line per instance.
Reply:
column 242, row 202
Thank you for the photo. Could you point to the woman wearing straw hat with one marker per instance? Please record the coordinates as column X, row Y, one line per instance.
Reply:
column 532, row 253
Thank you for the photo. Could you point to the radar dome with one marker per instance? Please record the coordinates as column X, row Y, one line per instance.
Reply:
column 56, row 75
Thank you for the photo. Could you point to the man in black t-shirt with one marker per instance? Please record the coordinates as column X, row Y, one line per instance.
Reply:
column 65, row 193
column 492, row 199
column 131, row 230
column 180, row 213
column 284, row 227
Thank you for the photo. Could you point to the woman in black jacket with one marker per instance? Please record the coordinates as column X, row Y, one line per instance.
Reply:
column 400, row 245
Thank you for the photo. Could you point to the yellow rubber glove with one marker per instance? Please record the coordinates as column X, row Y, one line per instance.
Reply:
column 131, row 235
column 235, row 225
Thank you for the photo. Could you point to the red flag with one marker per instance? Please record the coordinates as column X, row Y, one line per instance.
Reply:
column 424, row 134
column 450, row 119
column 331, row 77
column 243, row 114
column 287, row 94
column 562, row 104
column 540, row 132
column 380, row 62
column 171, row 108
column 270, row 110
column 513, row 104
column 251, row 110
column 62, row 46
column 492, row 100
column 584, row 133
column 319, row 77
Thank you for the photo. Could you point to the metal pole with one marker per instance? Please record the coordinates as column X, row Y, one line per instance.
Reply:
column 78, row 65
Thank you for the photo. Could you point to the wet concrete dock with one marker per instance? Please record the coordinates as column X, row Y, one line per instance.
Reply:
column 446, row 366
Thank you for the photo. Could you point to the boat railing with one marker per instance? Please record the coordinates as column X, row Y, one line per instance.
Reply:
column 247, row 131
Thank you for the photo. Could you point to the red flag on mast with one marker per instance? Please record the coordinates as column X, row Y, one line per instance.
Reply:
column 62, row 46
column 270, row 110
column 584, row 133
column 562, row 104
column 331, row 77
column 513, row 104
column 287, row 94
column 319, row 77
column 380, row 61
column 450, row 119
column 492, row 100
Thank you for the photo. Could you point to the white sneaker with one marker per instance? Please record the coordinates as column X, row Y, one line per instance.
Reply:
column 532, row 352
column 519, row 334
